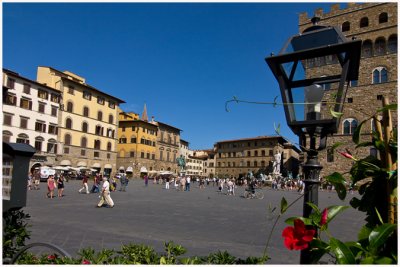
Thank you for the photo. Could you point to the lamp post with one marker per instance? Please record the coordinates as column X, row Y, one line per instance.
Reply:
column 312, row 70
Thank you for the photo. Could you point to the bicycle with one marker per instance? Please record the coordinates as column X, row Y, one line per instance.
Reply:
column 249, row 195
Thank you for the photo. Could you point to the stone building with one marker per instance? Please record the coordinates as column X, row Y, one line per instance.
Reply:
column 376, row 25
column 30, row 115
column 136, row 146
column 88, row 121
column 168, row 147
column 236, row 158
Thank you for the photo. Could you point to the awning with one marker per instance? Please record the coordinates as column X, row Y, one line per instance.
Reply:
column 107, row 166
column 143, row 169
column 65, row 162
column 121, row 168
column 81, row 164
column 96, row 165
column 129, row 169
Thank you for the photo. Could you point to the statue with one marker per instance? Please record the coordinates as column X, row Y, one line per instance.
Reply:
column 277, row 163
column 181, row 162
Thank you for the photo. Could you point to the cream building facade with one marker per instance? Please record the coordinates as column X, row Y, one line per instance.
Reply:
column 88, row 121
column 236, row 158
column 30, row 115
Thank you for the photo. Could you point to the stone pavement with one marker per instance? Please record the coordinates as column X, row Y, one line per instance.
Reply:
column 202, row 220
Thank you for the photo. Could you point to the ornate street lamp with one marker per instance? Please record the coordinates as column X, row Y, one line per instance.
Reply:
column 313, row 70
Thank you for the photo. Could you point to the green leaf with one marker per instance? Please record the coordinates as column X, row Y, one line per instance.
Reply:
column 388, row 107
column 283, row 205
column 338, row 181
column 364, row 144
column 380, row 234
column 342, row 252
column 306, row 221
column 163, row 260
column 335, row 114
column 379, row 215
column 318, row 249
column 335, row 178
column 336, row 145
column 364, row 233
column 277, row 129
column 368, row 260
column 357, row 132
column 314, row 207
column 335, row 210
column 384, row 260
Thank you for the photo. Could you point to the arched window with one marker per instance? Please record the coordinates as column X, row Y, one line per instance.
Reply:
column 67, row 139
column 68, row 123
column 380, row 46
column 83, row 142
column 367, row 48
column 346, row 26
column 349, row 126
column 379, row 75
column 110, row 119
column 7, row 136
column 97, row 144
column 23, row 138
column 70, row 107
column 85, row 111
column 255, row 163
column 84, row 127
column 256, row 153
column 364, row 22
column 383, row 17
column 109, row 146
column 392, row 44
column 100, row 116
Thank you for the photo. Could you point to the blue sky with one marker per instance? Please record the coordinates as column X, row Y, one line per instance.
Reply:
column 184, row 60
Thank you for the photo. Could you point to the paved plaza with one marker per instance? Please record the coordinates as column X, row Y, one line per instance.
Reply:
column 202, row 220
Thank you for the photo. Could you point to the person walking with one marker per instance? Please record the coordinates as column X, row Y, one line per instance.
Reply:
column 60, row 186
column 146, row 180
column 30, row 178
column 183, row 183
column 105, row 194
column 167, row 183
column 84, row 184
column 51, row 185
column 36, row 180
column 187, row 184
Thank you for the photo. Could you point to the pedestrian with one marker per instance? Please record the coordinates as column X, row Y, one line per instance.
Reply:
column 105, row 194
column 124, row 182
column 95, row 187
column 167, row 183
column 60, row 186
column 84, row 184
column 30, row 178
column 36, row 179
column 187, row 184
column 146, row 180
column 176, row 183
column 51, row 185
column 183, row 183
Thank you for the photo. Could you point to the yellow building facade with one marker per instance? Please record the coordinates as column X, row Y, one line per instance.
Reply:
column 136, row 148
column 88, row 122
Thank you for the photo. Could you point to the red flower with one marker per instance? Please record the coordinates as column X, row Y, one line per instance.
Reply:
column 346, row 155
column 51, row 257
column 86, row 262
column 297, row 237
column 324, row 217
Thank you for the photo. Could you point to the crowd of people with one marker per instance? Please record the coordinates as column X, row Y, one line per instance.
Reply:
column 104, row 185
